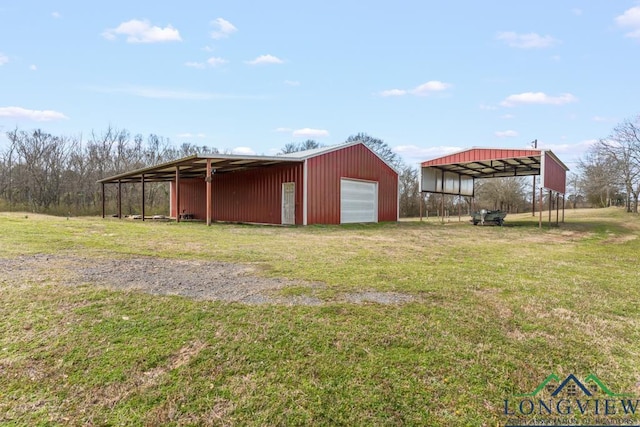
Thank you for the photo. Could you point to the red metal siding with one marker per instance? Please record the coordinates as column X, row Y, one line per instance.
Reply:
column 192, row 198
column 480, row 154
column 555, row 176
column 253, row 195
column 358, row 162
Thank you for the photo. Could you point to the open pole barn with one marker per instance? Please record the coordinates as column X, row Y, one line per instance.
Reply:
column 455, row 174
column 347, row 183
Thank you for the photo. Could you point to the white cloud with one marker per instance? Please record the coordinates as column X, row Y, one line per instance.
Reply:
column 430, row 87
column 138, row 31
column 506, row 133
column 243, row 151
column 414, row 154
column 33, row 67
column 488, row 107
column 215, row 62
column 56, row 15
column 292, row 83
column 223, row 29
column 310, row 133
column 537, row 98
column 526, row 41
column 630, row 19
column 191, row 135
column 393, row 92
column 424, row 89
column 194, row 64
column 3, row 59
column 569, row 153
column 265, row 59
column 35, row 115
column 507, row 116
column 603, row 119
column 211, row 62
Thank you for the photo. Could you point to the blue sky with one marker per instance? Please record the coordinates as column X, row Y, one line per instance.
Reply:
column 427, row 77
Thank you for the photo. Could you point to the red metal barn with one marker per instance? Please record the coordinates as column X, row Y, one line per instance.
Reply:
column 334, row 185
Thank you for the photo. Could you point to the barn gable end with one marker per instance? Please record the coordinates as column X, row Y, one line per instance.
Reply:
column 355, row 162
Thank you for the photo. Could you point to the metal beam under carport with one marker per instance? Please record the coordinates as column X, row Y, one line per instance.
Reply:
column 142, row 182
column 177, row 194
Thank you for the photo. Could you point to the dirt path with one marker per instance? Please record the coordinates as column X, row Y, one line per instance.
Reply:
column 207, row 280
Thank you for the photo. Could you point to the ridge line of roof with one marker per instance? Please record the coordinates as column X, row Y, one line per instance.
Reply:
column 313, row 152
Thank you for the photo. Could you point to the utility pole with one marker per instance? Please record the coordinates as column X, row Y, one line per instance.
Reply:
column 533, row 193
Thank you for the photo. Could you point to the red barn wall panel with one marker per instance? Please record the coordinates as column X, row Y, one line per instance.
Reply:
column 555, row 176
column 256, row 195
column 253, row 195
column 191, row 198
column 358, row 162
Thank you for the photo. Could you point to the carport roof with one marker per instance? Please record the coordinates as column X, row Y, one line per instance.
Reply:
column 493, row 162
column 196, row 166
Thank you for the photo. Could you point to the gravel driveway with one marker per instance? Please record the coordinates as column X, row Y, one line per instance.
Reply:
column 207, row 280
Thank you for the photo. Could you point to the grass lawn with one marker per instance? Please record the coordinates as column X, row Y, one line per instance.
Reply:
column 496, row 311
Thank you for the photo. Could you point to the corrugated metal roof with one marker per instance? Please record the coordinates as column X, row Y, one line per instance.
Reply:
column 196, row 165
column 307, row 154
column 493, row 162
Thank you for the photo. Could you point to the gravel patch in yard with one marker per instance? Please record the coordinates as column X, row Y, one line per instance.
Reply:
column 206, row 280
column 379, row 297
column 196, row 279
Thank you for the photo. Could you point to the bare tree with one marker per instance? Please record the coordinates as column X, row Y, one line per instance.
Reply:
column 622, row 149
column 575, row 193
column 293, row 147
column 41, row 159
column 380, row 147
column 509, row 194
column 598, row 178
column 59, row 174
column 409, row 190
column 6, row 174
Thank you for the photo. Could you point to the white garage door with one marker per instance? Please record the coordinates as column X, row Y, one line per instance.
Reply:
column 358, row 201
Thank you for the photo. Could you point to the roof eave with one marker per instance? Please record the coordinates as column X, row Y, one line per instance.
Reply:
column 195, row 158
column 149, row 169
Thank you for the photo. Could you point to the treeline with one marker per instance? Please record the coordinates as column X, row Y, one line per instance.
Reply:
column 41, row 172
column 609, row 175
